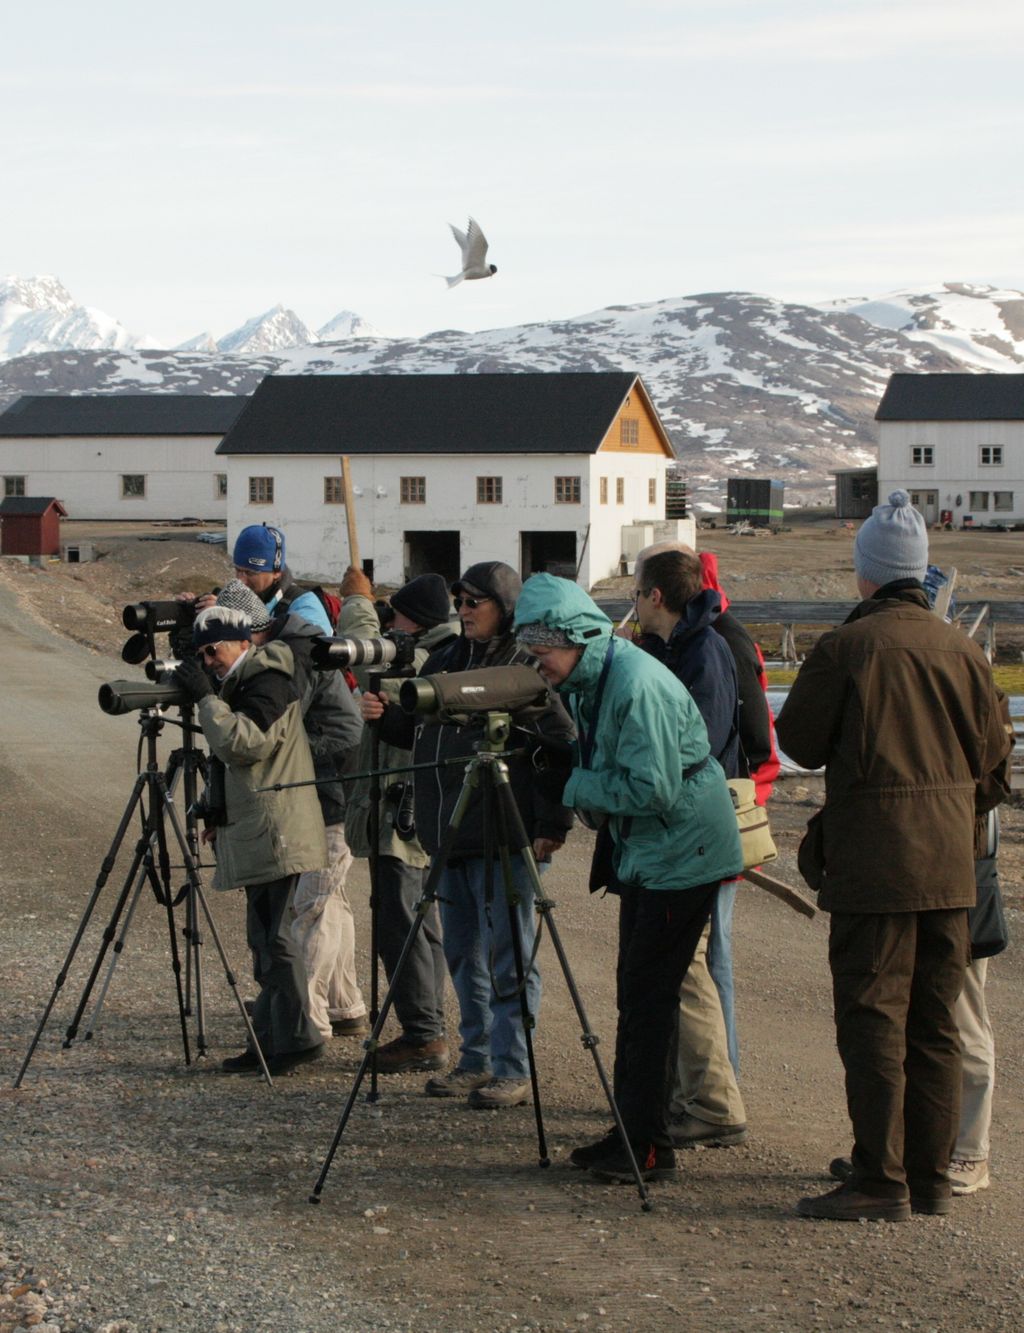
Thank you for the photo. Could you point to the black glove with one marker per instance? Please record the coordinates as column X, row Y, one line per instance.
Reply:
column 193, row 680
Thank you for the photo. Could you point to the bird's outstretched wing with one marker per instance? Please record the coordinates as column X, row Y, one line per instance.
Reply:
column 462, row 240
column 474, row 246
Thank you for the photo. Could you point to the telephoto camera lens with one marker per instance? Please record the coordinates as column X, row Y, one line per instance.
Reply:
column 392, row 649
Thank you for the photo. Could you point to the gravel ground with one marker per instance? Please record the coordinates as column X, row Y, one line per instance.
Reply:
column 138, row 1193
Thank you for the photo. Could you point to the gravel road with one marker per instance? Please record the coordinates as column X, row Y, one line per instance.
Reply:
column 140, row 1194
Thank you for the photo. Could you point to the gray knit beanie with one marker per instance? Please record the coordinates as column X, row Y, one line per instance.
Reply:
column 240, row 597
column 892, row 543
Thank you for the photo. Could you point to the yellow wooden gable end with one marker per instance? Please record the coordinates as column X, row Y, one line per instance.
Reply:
column 636, row 428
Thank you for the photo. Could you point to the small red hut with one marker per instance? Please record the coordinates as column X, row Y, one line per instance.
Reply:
column 30, row 525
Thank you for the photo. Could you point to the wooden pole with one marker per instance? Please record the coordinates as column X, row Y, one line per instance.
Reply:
column 780, row 889
column 350, row 513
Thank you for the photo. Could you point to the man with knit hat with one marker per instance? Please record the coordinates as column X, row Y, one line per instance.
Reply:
column 902, row 711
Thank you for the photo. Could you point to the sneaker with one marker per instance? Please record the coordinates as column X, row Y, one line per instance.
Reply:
column 289, row 1060
column 457, row 1083
column 403, row 1055
column 654, row 1163
column 686, row 1131
column 968, row 1177
column 246, row 1063
column 840, row 1168
column 498, row 1092
column 350, row 1027
column 593, row 1152
column 844, row 1204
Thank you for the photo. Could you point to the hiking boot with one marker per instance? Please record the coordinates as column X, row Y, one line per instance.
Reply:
column 246, row 1063
column 457, row 1083
column 844, row 1204
column 840, row 1168
column 968, row 1177
column 593, row 1152
column 686, row 1131
column 403, row 1055
column 289, row 1060
column 653, row 1162
column 350, row 1027
column 499, row 1092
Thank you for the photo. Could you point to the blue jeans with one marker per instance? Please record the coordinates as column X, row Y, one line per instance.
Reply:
column 720, row 965
column 477, row 940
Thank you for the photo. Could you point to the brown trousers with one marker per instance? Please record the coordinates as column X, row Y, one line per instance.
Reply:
column 895, row 982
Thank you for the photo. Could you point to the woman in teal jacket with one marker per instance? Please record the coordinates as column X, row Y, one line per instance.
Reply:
column 642, row 763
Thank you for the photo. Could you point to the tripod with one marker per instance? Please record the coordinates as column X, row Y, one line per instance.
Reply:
column 488, row 773
column 152, row 795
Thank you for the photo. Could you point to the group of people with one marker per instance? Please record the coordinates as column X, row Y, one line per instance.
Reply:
column 637, row 734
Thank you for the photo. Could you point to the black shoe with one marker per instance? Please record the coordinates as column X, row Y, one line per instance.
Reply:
column 289, row 1060
column 593, row 1152
column 249, row 1006
column 931, row 1207
column 840, row 1168
column 246, row 1063
column 654, row 1163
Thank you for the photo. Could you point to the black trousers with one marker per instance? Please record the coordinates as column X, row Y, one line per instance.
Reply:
column 279, row 1017
column 419, row 996
column 658, row 933
column 895, row 982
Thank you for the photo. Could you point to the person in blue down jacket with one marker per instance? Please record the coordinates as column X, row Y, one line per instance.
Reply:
column 642, row 762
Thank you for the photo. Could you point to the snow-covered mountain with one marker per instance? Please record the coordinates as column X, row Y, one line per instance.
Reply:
column 347, row 324
column 40, row 315
column 744, row 383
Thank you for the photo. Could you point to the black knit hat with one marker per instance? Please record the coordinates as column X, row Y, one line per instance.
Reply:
column 424, row 600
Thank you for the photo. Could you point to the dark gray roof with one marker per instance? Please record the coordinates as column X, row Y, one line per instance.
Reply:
column 429, row 414
column 985, row 397
column 121, row 414
column 29, row 504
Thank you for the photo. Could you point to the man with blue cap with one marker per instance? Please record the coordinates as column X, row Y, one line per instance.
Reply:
column 259, row 558
column 902, row 711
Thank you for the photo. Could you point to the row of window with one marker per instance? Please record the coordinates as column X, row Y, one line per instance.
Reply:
column 133, row 485
column 1002, row 502
column 923, row 455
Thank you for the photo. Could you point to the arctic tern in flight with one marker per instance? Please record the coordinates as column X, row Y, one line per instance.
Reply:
column 473, row 244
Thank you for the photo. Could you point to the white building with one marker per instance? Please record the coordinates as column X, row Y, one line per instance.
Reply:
column 120, row 456
column 956, row 443
column 543, row 471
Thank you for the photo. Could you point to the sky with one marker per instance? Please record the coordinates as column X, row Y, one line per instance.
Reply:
column 186, row 166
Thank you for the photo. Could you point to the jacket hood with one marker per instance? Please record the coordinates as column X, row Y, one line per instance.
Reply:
column 494, row 579
column 709, row 566
column 559, row 604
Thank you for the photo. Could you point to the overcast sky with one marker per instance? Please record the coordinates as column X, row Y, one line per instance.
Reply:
column 183, row 166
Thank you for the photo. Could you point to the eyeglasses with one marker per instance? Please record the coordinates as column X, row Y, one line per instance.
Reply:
column 638, row 593
column 208, row 651
column 471, row 602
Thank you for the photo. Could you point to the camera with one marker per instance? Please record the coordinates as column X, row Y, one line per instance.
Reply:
column 393, row 649
column 148, row 619
column 457, row 694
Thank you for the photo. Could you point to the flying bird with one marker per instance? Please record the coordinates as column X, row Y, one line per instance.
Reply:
column 473, row 244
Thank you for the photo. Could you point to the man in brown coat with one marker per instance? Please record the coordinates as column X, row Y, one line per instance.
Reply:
column 902, row 711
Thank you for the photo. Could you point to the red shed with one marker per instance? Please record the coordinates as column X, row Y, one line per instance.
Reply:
column 30, row 525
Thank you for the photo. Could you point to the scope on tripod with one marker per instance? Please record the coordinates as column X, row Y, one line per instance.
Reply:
column 125, row 696
column 493, row 689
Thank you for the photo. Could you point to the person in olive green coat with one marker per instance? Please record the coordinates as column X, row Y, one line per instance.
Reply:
column 642, row 766
column 263, row 839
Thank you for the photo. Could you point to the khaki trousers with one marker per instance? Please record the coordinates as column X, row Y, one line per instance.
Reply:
column 979, row 1076
column 704, row 1084
column 324, row 931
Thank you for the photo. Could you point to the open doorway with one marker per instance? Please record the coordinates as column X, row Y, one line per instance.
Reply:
column 548, row 553
column 432, row 553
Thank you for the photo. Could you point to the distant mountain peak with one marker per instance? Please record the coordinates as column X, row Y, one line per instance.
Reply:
column 347, row 324
column 274, row 330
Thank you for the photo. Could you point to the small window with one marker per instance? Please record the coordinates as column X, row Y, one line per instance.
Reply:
column 333, row 494
column 567, row 490
column 922, row 455
column 413, row 490
column 488, row 490
column 629, row 432
column 133, row 486
column 14, row 486
column 991, row 455
column 604, row 490
column 652, row 490
column 220, row 485
column 1002, row 501
column 261, row 490
column 620, row 490
column 979, row 501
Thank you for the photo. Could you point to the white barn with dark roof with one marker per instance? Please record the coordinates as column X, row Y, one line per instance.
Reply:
column 543, row 471
column 956, row 443
column 120, row 456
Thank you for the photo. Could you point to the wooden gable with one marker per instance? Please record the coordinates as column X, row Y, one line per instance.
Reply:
column 636, row 428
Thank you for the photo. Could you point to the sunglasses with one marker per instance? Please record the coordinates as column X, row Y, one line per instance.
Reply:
column 208, row 651
column 471, row 602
